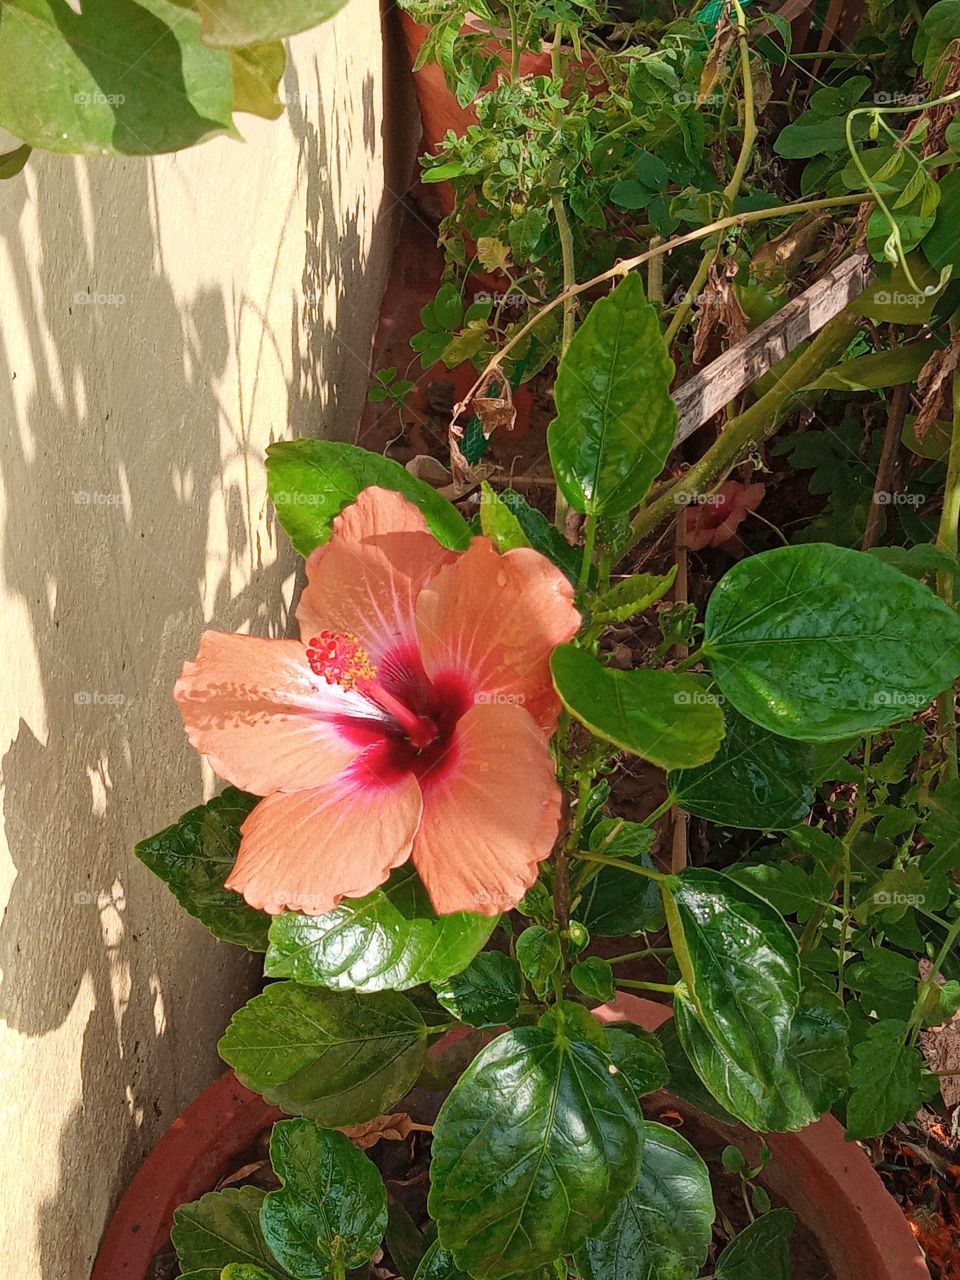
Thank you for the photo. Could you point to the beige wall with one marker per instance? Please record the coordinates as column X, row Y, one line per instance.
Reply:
column 238, row 288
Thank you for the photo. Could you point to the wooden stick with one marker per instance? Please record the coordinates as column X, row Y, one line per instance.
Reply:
column 723, row 379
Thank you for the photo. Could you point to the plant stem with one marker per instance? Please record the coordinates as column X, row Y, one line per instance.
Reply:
column 589, row 542
column 569, row 267
column 622, row 863
column 860, row 817
column 947, row 540
column 641, row 955
column 928, row 983
column 626, row 265
column 669, row 987
column 753, row 426
column 658, row 812
column 732, row 189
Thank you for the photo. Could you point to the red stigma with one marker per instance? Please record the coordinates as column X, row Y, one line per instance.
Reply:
column 339, row 659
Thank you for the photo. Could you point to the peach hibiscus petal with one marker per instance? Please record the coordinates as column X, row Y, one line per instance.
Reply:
column 366, row 579
column 306, row 851
column 491, row 816
column 261, row 717
column 496, row 619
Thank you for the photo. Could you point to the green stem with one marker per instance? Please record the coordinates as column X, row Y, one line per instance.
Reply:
column 691, row 659
column 947, row 540
column 589, row 542
column 641, row 955
column 638, row 870
column 732, row 189
column 927, row 985
column 669, row 987
column 753, row 426
column 861, row 816
column 658, row 812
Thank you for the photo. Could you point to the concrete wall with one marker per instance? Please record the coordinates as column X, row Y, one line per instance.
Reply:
column 235, row 291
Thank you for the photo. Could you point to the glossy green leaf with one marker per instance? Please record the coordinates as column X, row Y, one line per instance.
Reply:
column 391, row 939
column 124, row 77
column 238, row 22
column 684, row 1080
column 941, row 245
column 885, row 981
column 662, row 1229
column 664, row 718
column 237, row 1271
column 311, row 481
column 221, row 1228
column 885, row 1081
column 499, row 522
column 756, row 780
column 740, row 962
column 786, row 886
column 532, row 1151
column 594, row 978
column 438, row 1264
column 618, row 902
column 761, row 1251
column 194, row 857
column 638, row 1056
column 257, row 72
column 487, row 992
column 543, row 535
column 812, row 1077
column 820, row 642
column 332, row 1208
column 615, row 423
column 631, row 596
column 338, row 1058
column 538, row 954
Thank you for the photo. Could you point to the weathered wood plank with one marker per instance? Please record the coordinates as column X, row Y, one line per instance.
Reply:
column 712, row 388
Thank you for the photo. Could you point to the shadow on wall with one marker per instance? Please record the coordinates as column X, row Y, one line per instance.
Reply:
column 114, row 486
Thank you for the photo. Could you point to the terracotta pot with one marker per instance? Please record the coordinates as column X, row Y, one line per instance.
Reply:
column 827, row 1181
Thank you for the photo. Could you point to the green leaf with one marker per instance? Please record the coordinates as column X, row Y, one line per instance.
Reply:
column 532, row 1150
column 892, row 299
column 336, row 1058
column 787, row 887
column 760, row 1251
column 885, row 1081
column 194, row 856
column 237, row 22
column 756, row 780
column 876, row 370
column 941, row 245
column 486, row 994
column 664, row 718
column 538, row 954
column 886, row 982
column 638, row 1056
column 12, row 162
column 631, row 596
column 820, row 642
column 438, row 1264
column 498, row 521
column 332, row 1208
column 812, row 1077
column 257, row 72
column 237, row 1271
column 742, row 969
column 390, row 939
column 594, row 978
column 618, row 902
column 684, row 1080
column 404, row 1240
column 617, row 838
column 124, row 77
column 221, row 1228
column 615, row 423
column 543, row 535
column 662, row 1229
column 311, row 481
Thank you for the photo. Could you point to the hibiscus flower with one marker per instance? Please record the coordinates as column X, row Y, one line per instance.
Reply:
column 715, row 522
column 410, row 721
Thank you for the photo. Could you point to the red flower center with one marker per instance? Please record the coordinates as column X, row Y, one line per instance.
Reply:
column 421, row 714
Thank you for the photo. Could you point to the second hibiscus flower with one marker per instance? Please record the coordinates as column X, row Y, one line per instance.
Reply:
column 410, row 721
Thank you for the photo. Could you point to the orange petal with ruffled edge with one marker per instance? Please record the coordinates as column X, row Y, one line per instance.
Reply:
column 366, row 579
column 497, row 619
column 492, row 817
column 261, row 717
column 306, row 851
